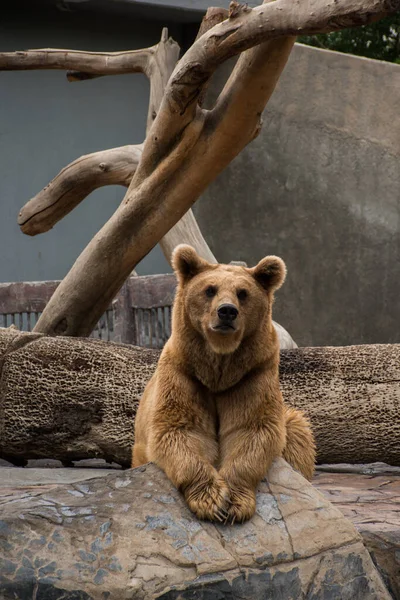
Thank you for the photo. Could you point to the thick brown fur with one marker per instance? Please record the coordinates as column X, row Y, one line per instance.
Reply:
column 212, row 416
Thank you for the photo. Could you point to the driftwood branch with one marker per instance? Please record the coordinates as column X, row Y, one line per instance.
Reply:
column 74, row 398
column 160, row 70
column 157, row 62
column 187, row 230
column 88, row 173
column 87, row 64
column 74, row 183
column 179, row 159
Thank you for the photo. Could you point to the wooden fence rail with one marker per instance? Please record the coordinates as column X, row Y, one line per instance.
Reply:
column 139, row 315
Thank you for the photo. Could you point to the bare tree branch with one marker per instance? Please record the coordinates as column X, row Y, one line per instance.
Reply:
column 74, row 183
column 179, row 158
column 90, row 63
column 213, row 17
column 88, row 173
column 186, row 230
column 160, row 66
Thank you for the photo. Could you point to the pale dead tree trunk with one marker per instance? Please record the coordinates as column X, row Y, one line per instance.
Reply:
column 188, row 146
column 77, row 398
column 186, row 230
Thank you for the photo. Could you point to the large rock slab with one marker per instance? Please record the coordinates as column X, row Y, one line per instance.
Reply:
column 11, row 479
column 372, row 502
column 130, row 535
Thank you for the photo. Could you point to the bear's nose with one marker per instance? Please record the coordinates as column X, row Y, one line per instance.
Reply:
column 227, row 312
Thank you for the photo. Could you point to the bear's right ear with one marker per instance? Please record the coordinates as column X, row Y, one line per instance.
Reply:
column 187, row 263
column 270, row 273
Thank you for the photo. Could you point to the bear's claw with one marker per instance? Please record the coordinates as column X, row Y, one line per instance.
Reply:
column 242, row 506
column 211, row 501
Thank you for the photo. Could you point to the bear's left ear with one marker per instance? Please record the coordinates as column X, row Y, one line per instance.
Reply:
column 270, row 273
column 187, row 263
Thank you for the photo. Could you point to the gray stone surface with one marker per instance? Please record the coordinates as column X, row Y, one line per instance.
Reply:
column 19, row 477
column 376, row 468
column 43, row 463
column 320, row 187
column 366, row 494
column 371, row 501
column 130, row 535
column 95, row 463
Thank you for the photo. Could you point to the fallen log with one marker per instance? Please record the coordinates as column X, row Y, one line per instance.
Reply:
column 69, row 398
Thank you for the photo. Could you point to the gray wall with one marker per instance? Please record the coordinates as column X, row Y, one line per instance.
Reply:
column 46, row 122
column 320, row 187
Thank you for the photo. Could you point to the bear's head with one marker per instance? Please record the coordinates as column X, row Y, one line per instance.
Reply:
column 224, row 303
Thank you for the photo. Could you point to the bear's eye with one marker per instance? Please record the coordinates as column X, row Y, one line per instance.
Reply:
column 211, row 291
column 242, row 295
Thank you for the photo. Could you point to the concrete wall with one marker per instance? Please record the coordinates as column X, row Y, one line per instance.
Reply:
column 320, row 187
column 46, row 122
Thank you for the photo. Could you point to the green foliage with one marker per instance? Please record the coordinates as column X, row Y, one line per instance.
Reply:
column 380, row 40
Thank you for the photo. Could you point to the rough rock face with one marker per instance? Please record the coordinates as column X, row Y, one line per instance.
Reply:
column 130, row 535
column 69, row 398
column 367, row 494
column 371, row 502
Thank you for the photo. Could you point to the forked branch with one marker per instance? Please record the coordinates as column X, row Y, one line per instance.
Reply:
column 88, row 173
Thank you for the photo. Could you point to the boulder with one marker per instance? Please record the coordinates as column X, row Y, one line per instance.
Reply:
column 129, row 535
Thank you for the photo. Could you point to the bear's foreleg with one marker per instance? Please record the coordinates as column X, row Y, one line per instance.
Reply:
column 252, row 433
column 247, row 455
column 180, row 453
column 182, row 441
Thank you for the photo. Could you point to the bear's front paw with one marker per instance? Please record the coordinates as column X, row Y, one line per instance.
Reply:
column 209, row 500
column 242, row 507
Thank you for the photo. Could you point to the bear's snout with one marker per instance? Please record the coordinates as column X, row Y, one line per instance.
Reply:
column 227, row 313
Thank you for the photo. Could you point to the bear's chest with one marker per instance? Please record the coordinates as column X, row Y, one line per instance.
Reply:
column 220, row 374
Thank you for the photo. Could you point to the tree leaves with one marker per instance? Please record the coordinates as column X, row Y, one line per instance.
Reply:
column 380, row 40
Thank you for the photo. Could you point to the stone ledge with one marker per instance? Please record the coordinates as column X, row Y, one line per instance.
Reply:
column 130, row 535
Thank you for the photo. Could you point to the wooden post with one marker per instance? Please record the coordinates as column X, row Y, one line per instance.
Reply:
column 124, row 322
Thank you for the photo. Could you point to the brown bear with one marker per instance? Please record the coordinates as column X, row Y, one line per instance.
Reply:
column 212, row 416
